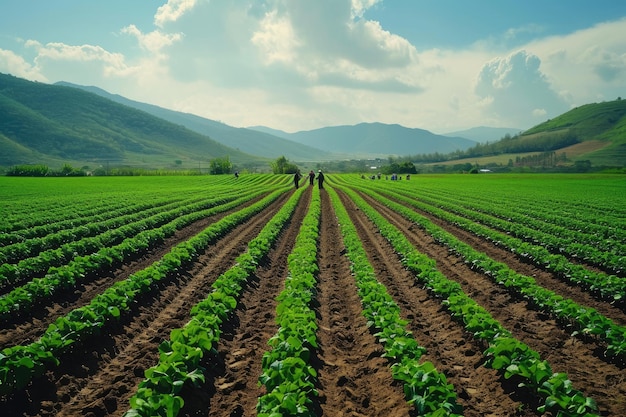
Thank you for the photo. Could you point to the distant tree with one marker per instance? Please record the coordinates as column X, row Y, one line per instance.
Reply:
column 66, row 170
column 396, row 167
column 28, row 171
column 282, row 166
column 220, row 166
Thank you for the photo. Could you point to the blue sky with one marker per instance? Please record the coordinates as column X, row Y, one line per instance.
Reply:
column 441, row 65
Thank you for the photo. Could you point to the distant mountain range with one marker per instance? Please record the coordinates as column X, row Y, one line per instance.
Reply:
column 66, row 123
column 53, row 125
column 484, row 134
column 365, row 140
column 245, row 140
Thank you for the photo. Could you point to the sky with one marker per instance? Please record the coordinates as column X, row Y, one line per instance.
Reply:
column 293, row 65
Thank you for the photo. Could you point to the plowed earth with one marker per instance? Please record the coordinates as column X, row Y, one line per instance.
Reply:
column 98, row 378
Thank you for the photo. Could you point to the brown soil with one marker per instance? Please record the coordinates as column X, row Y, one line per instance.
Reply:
column 98, row 378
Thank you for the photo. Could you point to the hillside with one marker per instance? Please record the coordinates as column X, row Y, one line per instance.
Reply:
column 482, row 134
column 50, row 124
column 250, row 141
column 86, row 126
column 603, row 123
column 593, row 134
column 376, row 140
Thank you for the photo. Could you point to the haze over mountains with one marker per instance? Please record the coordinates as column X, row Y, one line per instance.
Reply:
column 63, row 122
column 245, row 140
column 365, row 140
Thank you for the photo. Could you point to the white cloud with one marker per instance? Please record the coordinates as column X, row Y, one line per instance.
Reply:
column 306, row 64
column 16, row 65
column 172, row 11
column 153, row 41
column 60, row 51
column 517, row 89
column 361, row 6
column 587, row 65
column 275, row 39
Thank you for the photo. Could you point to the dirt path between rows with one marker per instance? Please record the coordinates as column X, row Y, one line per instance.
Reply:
column 231, row 387
column 544, row 278
column 28, row 327
column 98, row 378
column 353, row 379
column 449, row 348
column 582, row 360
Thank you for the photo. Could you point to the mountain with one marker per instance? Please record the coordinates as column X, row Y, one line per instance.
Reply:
column 275, row 132
column 361, row 141
column 482, row 134
column 598, row 128
column 376, row 140
column 590, row 135
column 58, row 124
column 253, row 142
column 52, row 124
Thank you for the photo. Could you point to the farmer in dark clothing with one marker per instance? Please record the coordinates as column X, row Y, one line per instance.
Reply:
column 296, row 179
column 311, row 177
column 320, row 179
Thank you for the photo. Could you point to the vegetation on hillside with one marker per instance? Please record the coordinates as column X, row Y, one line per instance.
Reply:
column 544, row 146
column 60, row 126
column 49, row 124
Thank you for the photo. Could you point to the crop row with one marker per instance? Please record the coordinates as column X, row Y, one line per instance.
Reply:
column 590, row 224
column 505, row 353
column 33, row 216
column 591, row 200
column 20, row 364
column 180, row 357
column 585, row 319
column 72, row 224
column 113, row 232
column 607, row 287
column 49, row 208
column 49, row 238
column 424, row 387
column 23, row 298
column 287, row 374
column 596, row 249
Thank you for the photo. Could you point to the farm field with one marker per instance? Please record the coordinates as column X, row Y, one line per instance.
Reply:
column 480, row 295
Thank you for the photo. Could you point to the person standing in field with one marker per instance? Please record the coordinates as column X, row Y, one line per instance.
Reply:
column 296, row 179
column 311, row 177
column 320, row 179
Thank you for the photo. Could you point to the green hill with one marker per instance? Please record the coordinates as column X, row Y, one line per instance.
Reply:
column 594, row 134
column 603, row 124
column 250, row 141
column 54, row 125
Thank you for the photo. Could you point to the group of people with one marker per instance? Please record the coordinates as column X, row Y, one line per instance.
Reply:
column 394, row 177
column 320, row 178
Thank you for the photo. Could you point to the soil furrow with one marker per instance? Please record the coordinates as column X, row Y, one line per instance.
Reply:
column 544, row 278
column 354, row 378
column 581, row 360
column 27, row 328
column 231, row 387
column 98, row 377
column 449, row 347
